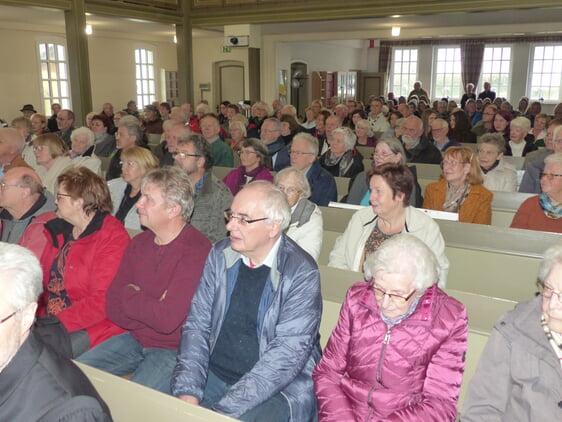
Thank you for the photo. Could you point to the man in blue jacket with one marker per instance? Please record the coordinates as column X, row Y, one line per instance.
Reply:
column 250, row 341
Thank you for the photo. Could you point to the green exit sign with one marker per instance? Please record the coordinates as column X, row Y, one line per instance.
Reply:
column 225, row 49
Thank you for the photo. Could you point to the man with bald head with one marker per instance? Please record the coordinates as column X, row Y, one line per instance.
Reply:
column 26, row 208
column 11, row 145
column 417, row 146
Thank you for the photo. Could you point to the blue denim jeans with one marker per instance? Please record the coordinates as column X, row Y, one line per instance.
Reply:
column 276, row 409
column 122, row 355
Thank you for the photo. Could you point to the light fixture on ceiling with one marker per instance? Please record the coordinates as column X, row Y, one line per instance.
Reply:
column 89, row 30
column 395, row 31
column 395, row 16
column 175, row 39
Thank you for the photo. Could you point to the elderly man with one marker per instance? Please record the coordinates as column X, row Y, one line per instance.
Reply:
column 65, row 122
column 439, row 131
column 11, row 145
column 28, row 110
column 152, row 123
column 212, row 197
column 210, row 129
column 152, row 291
column 487, row 93
column 36, row 383
column 418, row 148
column 270, row 135
column 82, row 149
column 250, row 341
column 52, row 121
column 376, row 118
column 304, row 153
column 166, row 149
column 26, row 207
column 128, row 134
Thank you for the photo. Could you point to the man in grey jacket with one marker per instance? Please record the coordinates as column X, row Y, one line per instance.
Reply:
column 250, row 341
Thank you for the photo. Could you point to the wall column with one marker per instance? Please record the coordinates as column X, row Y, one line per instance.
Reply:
column 185, row 54
column 78, row 60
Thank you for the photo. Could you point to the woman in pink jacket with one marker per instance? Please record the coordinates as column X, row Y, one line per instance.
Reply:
column 397, row 352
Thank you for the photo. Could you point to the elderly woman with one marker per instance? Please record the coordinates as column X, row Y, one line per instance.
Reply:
column 125, row 190
column 519, row 375
column 105, row 143
column 389, row 150
column 460, row 189
column 84, row 250
column 51, row 156
column 82, row 149
column 520, row 142
column 397, row 351
column 499, row 175
column 342, row 159
column 237, row 131
column 38, row 125
column 365, row 134
column 254, row 158
column 306, row 226
column 544, row 212
column 539, row 129
column 388, row 215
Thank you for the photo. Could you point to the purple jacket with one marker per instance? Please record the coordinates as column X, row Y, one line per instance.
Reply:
column 231, row 179
column 411, row 372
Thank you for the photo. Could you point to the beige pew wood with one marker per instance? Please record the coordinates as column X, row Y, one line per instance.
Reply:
column 366, row 152
column 342, row 185
column 328, row 241
column 472, row 146
column 221, row 172
column 336, row 219
column 132, row 402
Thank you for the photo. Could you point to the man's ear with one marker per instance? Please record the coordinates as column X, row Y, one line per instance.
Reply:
column 28, row 316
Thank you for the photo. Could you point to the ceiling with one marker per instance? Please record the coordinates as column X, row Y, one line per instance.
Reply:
column 526, row 21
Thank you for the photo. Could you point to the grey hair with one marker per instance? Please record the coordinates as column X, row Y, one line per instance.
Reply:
column 496, row 139
column 552, row 257
column 275, row 205
column 132, row 124
column 238, row 124
column 405, row 254
column 417, row 119
column 299, row 175
column 554, row 158
column 395, row 146
column 521, row 122
column 348, row 136
column 443, row 122
column 276, row 122
column 555, row 134
column 176, row 187
column 367, row 125
column 83, row 131
column 20, row 268
column 312, row 141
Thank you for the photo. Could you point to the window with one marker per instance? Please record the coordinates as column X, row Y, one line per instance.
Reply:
column 546, row 72
column 496, row 69
column 404, row 70
column 144, row 75
column 448, row 80
column 172, row 88
column 55, row 85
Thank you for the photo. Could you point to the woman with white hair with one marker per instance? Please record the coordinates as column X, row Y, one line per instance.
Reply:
column 397, row 352
column 82, row 149
column 499, row 175
column 520, row 143
column 342, row 159
column 365, row 134
column 306, row 226
column 519, row 376
column 544, row 212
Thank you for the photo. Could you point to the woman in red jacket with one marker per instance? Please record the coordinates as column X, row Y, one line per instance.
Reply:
column 85, row 246
column 397, row 352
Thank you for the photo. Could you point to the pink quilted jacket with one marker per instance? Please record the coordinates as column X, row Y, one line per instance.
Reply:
column 410, row 372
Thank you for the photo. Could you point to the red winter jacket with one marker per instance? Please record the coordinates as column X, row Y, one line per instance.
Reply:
column 411, row 372
column 91, row 265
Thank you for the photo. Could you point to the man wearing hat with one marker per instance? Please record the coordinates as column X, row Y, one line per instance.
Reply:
column 28, row 110
column 152, row 123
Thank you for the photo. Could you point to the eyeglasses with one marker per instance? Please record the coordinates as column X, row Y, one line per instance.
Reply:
column 228, row 215
column 489, row 113
column 293, row 152
column 3, row 320
column 288, row 189
column 128, row 163
column 38, row 147
column 548, row 292
column 398, row 299
column 246, row 152
column 451, row 163
column 61, row 195
column 184, row 155
column 5, row 185
column 550, row 176
column 383, row 154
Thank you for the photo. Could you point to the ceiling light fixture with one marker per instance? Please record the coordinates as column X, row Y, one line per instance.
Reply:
column 175, row 39
column 89, row 30
column 395, row 16
column 395, row 31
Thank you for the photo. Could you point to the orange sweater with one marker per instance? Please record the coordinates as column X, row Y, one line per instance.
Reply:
column 476, row 208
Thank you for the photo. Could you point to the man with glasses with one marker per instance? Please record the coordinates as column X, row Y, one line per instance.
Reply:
column 270, row 134
column 35, row 382
column 304, row 153
column 250, row 341
column 439, row 131
column 152, row 290
column 65, row 123
column 26, row 207
column 194, row 156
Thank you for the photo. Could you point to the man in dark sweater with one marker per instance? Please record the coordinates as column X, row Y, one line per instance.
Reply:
column 152, row 291
column 36, row 383
column 417, row 146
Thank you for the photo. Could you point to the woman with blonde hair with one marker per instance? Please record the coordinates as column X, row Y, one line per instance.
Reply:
column 365, row 134
column 460, row 189
column 52, row 158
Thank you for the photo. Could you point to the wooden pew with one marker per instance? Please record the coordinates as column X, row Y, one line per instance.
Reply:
column 221, row 172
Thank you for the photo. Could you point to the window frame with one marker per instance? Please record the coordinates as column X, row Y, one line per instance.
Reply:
column 48, row 100
column 143, row 93
column 509, row 73
column 393, row 73
column 529, row 89
column 435, row 75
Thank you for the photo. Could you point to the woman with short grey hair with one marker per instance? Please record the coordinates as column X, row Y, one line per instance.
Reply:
column 499, row 175
column 519, row 376
column 397, row 352
column 306, row 226
column 342, row 159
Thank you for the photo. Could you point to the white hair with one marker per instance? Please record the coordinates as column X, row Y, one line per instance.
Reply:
column 275, row 205
column 83, row 131
column 348, row 136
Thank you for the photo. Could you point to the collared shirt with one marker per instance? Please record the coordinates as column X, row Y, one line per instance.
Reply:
column 199, row 185
column 269, row 259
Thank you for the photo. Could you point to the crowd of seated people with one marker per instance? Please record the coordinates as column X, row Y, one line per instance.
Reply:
column 107, row 291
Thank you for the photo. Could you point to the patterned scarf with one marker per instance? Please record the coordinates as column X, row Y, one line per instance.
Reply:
column 455, row 198
column 245, row 177
column 550, row 210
